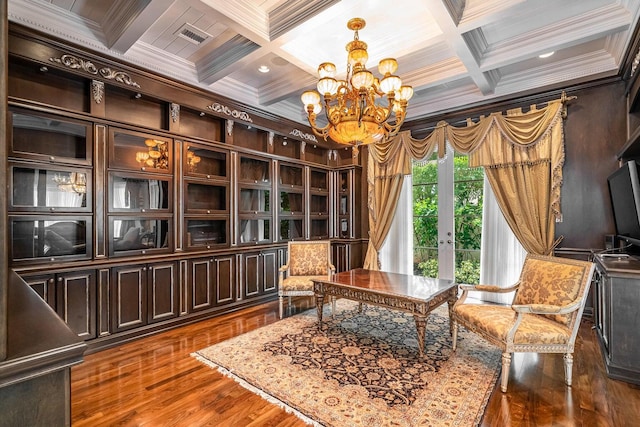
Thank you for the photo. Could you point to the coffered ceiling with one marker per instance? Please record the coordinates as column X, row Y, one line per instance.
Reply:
column 453, row 52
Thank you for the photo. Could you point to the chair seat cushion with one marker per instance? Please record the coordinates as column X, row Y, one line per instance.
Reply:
column 496, row 321
column 299, row 283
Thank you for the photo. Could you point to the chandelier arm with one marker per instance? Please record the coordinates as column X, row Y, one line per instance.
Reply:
column 321, row 132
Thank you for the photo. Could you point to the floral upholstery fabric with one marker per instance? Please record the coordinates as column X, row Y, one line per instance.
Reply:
column 299, row 283
column 496, row 321
column 308, row 259
column 553, row 283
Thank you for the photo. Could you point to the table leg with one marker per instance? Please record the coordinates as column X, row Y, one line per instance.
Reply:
column 319, row 307
column 421, row 327
column 451, row 301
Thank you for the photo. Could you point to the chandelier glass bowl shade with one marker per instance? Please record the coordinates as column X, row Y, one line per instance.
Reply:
column 354, row 117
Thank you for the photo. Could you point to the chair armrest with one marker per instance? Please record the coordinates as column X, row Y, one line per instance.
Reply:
column 332, row 268
column 547, row 308
column 482, row 288
column 284, row 268
column 487, row 288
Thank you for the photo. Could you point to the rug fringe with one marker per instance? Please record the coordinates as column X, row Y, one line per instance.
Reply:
column 269, row 398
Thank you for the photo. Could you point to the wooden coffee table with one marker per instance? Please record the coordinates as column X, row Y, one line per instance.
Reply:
column 411, row 294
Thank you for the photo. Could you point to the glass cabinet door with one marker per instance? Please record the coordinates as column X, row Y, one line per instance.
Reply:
column 205, row 233
column 205, row 162
column 291, row 176
column 319, row 180
column 139, row 151
column 256, row 230
column 254, row 170
column 46, row 137
column 254, row 200
column 138, row 193
column 205, row 198
column 49, row 188
column 141, row 234
column 33, row 237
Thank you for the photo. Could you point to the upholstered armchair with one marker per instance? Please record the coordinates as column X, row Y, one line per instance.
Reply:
column 305, row 261
column 544, row 316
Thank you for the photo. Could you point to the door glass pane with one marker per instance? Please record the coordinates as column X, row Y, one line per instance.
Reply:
column 468, row 198
column 50, row 188
column 425, row 217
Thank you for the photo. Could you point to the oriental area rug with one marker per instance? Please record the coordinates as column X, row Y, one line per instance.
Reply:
column 363, row 369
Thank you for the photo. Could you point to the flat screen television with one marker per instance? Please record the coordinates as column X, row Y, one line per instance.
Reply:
column 624, row 188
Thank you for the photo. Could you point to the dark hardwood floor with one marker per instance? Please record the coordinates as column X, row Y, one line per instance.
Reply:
column 154, row 381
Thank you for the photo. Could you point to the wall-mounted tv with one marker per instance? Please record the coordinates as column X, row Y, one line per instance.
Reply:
column 624, row 188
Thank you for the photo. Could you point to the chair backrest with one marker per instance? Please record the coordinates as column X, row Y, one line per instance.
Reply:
column 555, row 281
column 309, row 258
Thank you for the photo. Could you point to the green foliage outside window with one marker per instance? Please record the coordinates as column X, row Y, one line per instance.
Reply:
column 468, row 219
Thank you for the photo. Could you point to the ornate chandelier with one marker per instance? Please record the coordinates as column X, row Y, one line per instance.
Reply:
column 354, row 118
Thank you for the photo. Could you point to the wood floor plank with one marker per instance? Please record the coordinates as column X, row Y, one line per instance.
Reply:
column 155, row 381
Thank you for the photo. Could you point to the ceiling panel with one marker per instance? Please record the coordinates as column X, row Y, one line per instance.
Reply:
column 453, row 52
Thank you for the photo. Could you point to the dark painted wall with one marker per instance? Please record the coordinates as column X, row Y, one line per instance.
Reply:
column 595, row 131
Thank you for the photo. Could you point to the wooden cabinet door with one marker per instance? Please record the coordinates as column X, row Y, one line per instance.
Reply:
column 73, row 296
column 44, row 285
column 162, row 291
column 252, row 274
column 201, row 284
column 260, row 273
column 76, row 301
column 224, row 279
column 128, row 297
column 269, row 271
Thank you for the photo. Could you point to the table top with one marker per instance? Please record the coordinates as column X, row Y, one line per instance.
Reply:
column 404, row 285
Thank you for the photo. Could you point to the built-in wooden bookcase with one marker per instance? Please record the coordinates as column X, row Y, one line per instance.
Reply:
column 130, row 212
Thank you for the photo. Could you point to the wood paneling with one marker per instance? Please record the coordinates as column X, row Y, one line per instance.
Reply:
column 595, row 129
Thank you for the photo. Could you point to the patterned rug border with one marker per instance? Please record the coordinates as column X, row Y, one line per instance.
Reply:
column 256, row 390
column 289, row 408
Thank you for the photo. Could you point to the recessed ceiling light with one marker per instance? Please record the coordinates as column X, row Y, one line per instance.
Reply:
column 263, row 69
column 546, row 55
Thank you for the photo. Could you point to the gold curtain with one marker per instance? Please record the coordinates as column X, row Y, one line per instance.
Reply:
column 522, row 153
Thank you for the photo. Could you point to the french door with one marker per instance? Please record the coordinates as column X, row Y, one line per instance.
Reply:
column 447, row 208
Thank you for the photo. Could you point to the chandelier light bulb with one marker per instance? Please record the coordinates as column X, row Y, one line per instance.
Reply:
column 328, row 85
column 326, row 69
column 387, row 66
column 358, row 57
column 390, row 84
column 362, row 79
column 310, row 97
column 404, row 93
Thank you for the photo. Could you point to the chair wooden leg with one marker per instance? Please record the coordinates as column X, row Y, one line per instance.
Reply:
column 333, row 306
column 568, row 368
column 281, row 308
column 506, row 363
column 454, row 335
